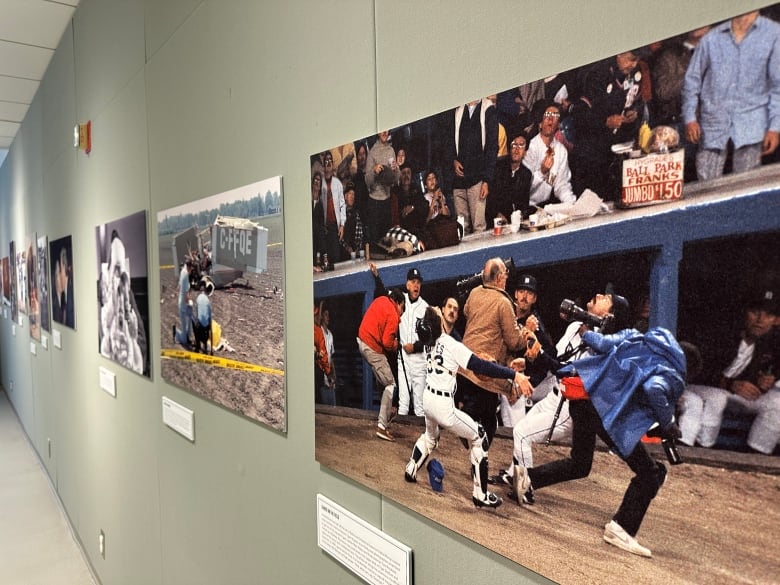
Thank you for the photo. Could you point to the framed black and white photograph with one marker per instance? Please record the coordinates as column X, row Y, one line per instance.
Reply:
column 123, row 292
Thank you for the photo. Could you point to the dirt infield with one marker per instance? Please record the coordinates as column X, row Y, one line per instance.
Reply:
column 252, row 319
column 710, row 523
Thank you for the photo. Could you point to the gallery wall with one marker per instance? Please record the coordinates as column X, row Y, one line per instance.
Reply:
column 192, row 98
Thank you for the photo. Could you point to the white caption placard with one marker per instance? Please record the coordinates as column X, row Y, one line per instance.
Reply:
column 13, row 329
column 108, row 381
column 21, row 320
column 372, row 555
column 45, row 341
column 57, row 337
column 33, row 348
column 179, row 418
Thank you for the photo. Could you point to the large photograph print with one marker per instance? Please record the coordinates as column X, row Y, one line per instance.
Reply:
column 43, row 292
column 63, row 303
column 222, row 299
column 32, row 288
column 12, row 281
column 123, row 292
column 474, row 269
column 6, row 268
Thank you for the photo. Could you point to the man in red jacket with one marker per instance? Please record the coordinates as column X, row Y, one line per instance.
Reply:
column 378, row 334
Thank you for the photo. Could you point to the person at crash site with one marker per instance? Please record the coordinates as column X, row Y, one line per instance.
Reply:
column 182, row 334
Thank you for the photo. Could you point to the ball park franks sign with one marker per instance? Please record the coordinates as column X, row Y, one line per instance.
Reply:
column 655, row 178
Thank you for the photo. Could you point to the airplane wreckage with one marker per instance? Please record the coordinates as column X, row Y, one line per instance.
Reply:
column 222, row 252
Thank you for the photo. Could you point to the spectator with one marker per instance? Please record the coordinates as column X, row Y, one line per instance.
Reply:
column 473, row 151
column 317, row 221
column 746, row 382
column 669, row 69
column 609, row 112
column 515, row 106
column 182, row 335
column 354, row 233
column 548, row 160
column 671, row 63
column 437, row 202
column 382, row 172
column 732, row 93
column 359, row 178
column 491, row 332
column 344, row 161
column 335, row 210
column 413, row 207
column 378, row 333
column 510, row 188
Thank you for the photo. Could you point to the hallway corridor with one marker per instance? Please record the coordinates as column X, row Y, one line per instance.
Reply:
column 36, row 544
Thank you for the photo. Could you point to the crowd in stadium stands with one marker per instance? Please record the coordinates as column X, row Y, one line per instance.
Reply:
column 717, row 86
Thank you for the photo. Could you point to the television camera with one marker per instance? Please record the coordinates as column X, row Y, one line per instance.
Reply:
column 569, row 311
column 466, row 284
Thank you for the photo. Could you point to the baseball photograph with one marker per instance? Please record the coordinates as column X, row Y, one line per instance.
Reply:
column 533, row 326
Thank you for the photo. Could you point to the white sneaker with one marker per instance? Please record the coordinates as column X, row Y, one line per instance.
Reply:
column 616, row 536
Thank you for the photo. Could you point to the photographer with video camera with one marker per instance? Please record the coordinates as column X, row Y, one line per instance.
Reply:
column 492, row 333
column 631, row 383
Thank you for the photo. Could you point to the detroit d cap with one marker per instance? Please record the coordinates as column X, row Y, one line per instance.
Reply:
column 414, row 274
column 527, row 282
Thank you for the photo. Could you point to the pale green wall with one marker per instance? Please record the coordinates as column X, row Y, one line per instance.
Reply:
column 188, row 99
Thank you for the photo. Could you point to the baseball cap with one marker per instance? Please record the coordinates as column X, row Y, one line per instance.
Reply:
column 414, row 274
column 527, row 282
column 436, row 475
column 764, row 301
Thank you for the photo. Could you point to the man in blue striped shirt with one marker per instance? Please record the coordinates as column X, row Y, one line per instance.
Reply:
column 732, row 92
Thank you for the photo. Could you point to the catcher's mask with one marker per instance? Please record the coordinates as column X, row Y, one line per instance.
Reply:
column 429, row 327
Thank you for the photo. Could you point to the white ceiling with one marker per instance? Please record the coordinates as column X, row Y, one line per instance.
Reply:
column 30, row 31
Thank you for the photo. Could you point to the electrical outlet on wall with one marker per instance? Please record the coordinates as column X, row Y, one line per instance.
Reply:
column 102, row 543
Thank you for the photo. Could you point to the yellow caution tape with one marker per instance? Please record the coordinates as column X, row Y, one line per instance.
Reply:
column 212, row 360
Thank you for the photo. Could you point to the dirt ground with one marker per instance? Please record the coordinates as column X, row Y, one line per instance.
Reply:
column 251, row 314
column 709, row 523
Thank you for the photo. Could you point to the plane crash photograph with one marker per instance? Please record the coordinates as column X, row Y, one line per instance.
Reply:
column 222, row 300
